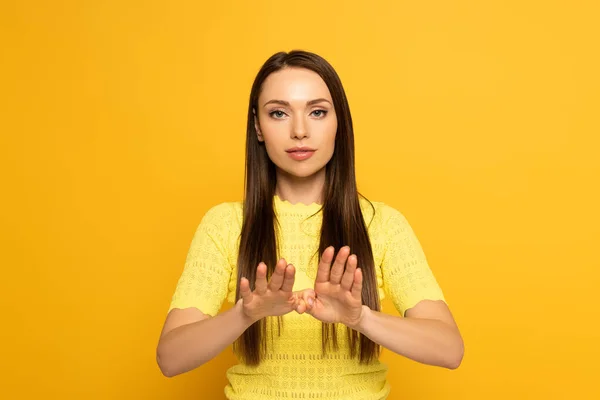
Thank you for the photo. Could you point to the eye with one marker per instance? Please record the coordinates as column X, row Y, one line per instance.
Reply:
column 322, row 113
column 277, row 114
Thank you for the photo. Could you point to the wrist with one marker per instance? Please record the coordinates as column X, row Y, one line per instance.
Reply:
column 360, row 323
column 246, row 319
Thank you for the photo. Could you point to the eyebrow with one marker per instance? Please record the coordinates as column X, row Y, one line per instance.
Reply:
column 285, row 103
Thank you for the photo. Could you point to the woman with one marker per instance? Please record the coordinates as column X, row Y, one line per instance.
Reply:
column 310, row 328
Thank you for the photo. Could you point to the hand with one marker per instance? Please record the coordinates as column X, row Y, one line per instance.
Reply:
column 270, row 299
column 337, row 293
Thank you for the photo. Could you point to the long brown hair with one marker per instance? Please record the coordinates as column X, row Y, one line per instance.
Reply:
column 342, row 222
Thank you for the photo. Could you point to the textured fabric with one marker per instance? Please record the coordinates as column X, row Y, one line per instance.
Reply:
column 294, row 367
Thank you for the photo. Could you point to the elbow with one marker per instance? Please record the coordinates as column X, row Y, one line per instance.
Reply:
column 455, row 356
column 163, row 365
column 453, row 363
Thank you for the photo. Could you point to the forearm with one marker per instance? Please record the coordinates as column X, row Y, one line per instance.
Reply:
column 428, row 341
column 189, row 346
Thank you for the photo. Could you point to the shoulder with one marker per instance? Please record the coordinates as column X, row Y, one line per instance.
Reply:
column 381, row 214
column 223, row 214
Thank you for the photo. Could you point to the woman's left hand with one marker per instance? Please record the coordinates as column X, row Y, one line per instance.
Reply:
column 337, row 293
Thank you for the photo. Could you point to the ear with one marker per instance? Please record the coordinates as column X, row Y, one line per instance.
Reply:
column 257, row 127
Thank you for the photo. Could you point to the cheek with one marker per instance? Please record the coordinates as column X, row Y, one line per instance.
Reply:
column 331, row 134
column 328, row 144
column 273, row 131
column 274, row 143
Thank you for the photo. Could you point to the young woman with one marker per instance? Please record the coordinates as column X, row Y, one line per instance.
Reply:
column 305, row 259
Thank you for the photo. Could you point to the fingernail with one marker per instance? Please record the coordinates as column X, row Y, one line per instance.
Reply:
column 310, row 301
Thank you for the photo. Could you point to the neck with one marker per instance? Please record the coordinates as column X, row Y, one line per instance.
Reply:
column 306, row 190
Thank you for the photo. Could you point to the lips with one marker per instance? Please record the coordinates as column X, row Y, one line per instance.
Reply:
column 302, row 149
column 300, row 154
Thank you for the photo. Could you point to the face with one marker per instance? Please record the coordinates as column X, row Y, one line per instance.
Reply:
column 295, row 109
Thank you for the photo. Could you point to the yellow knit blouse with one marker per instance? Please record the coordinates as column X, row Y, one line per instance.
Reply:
column 294, row 367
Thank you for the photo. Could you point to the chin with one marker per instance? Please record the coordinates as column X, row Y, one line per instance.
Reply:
column 301, row 171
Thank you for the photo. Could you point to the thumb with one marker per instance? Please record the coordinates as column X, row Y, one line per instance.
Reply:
column 304, row 300
column 309, row 296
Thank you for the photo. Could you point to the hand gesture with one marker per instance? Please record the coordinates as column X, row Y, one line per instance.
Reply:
column 337, row 293
column 273, row 298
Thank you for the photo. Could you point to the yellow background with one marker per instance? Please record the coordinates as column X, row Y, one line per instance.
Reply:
column 123, row 122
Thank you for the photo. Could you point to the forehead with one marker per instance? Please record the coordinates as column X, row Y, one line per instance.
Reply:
column 294, row 84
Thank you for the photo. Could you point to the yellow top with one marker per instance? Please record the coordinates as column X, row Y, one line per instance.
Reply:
column 294, row 367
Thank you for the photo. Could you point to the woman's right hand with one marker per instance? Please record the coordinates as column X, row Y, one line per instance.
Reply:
column 273, row 298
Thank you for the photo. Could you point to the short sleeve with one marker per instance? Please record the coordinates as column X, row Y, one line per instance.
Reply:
column 407, row 277
column 205, row 278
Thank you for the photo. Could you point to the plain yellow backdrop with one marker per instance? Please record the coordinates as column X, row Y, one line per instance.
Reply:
column 122, row 122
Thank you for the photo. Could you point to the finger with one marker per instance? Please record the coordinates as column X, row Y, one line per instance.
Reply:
column 338, row 265
column 302, row 297
column 277, row 277
column 294, row 301
column 301, row 307
column 325, row 265
column 348, row 277
column 357, row 285
column 288, row 280
column 245, row 291
column 261, row 278
column 308, row 297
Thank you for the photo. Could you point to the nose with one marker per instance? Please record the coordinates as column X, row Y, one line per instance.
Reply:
column 299, row 129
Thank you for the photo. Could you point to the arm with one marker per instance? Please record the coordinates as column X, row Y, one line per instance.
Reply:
column 194, row 332
column 428, row 334
column 188, row 339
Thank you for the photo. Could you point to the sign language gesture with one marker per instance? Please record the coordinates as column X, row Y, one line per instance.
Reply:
column 271, row 298
column 337, row 293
